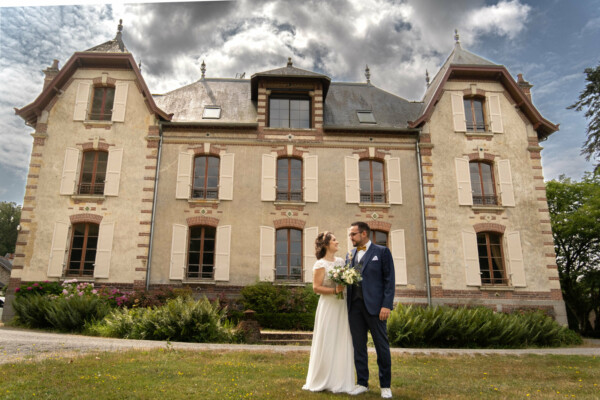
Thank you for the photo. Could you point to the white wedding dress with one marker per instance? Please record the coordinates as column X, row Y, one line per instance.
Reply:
column 331, row 365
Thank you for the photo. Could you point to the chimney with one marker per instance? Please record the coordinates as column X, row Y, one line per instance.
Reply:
column 50, row 73
column 524, row 85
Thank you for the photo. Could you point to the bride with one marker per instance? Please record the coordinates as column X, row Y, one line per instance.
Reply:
column 331, row 365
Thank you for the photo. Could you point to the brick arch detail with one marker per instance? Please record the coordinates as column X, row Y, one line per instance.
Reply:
column 378, row 156
column 379, row 226
column 289, row 223
column 489, row 227
column 296, row 153
column 103, row 146
column 202, row 220
column 212, row 151
column 109, row 81
column 85, row 217
column 478, row 93
column 486, row 157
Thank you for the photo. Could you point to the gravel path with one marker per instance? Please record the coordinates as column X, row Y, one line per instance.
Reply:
column 28, row 345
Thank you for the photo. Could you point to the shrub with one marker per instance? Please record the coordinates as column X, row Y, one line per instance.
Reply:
column 287, row 321
column 31, row 310
column 38, row 288
column 72, row 314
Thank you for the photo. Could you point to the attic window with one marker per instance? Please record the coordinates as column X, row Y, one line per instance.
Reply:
column 211, row 112
column 366, row 117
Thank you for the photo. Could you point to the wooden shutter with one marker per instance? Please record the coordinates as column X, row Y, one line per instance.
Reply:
column 310, row 235
column 178, row 251
column 104, row 250
column 67, row 181
column 496, row 125
column 348, row 241
column 226, row 176
column 120, row 102
column 398, row 248
column 394, row 180
column 184, row 175
column 267, row 254
column 471, row 258
column 515, row 259
column 222, row 253
column 311, row 179
column 463, row 182
column 507, row 193
column 269, row 177
column 113, row 172
column 458, row 112
column 81, row 101
column 57, row 250
column 352, row 183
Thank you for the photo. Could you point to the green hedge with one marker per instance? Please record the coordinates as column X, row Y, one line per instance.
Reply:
column 287, row 321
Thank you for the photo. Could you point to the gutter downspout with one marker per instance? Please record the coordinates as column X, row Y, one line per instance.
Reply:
column 156, row 174
column 423, row 221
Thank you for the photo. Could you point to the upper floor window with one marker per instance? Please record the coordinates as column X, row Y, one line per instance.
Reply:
column 201, row 252
column 102, row 103
column 379, row 237
column 289, row 112
column 82, row 254
column 288, row 254
column 206, row 177
column 289, row 179
column 372, row 187
column 482, row 183
column 211, row 112
column 491, row 259
column 474, row 114
column 93, row 172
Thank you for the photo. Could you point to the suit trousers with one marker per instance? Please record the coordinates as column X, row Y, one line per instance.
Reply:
column 360, row 323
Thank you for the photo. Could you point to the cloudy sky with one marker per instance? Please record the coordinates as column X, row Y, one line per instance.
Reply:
column 550, row 41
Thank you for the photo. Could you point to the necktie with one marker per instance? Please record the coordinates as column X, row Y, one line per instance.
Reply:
column 359, row 248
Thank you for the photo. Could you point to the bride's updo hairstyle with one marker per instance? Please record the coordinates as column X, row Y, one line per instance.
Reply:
column 322, row 243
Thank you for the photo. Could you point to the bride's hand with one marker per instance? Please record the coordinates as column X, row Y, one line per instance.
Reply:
column 339, row 288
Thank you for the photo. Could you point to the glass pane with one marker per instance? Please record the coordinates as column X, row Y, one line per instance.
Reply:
column 92, row 243
column 75, row 256
column 364, row 170
column 488, row 185
column 282, row 234
column 108, row 104
column 195, row 232
column 377, row 177
column 478, row 114
column 93, row 229
column 209, row 232
column 281, row 261
column 468, row 114
column 90, row 255
column 281, row 247
column 194, row 245
column 295, row 235
column 194, row 258
column 209, row 245
column 475, row 179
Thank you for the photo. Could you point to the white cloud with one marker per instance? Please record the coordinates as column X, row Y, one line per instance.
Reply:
column 507, row 18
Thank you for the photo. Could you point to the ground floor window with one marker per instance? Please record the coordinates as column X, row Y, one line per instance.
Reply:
column 201, row 252
column 82, row 254
column 379, row 237
column 491, row 260
column 288, row 257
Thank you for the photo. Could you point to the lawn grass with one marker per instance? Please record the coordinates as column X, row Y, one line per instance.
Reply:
column 171, row 374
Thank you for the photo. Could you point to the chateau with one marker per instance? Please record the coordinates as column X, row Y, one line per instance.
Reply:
column 226, row 182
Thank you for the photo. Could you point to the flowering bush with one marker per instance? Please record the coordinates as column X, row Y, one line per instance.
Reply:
column 41, row 288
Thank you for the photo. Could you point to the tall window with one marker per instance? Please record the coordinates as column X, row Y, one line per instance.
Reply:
column 93, row 172
column 82, row 254
column 289, row 179
column 102, row 103
column 474, row 114
column 491, row 260
column 482, row 183
column 206, row 178
column 290, row 112
column 201, row 252
column 288, row 257
column 379, row 237
column 372, row 187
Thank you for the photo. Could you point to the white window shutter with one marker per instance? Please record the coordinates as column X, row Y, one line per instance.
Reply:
column 81, row 101
column 57, row 250
column 226, row 176
column 184, row 175
column 178, row 252
column 394, row 180
column 67, row 181
column 463, row 182
column 398, row 248
column 458, row 112
column 471, row 258
column 104, row 250
column 496, row 125
column 311, row 179
column 507, row 193
column 269, row 177
column 352, row 182
column 310, row 258
column 515, row 259
column 267, row 254
column 120, row 102
column 350, row 245
column 222, row 253
column 113, row 172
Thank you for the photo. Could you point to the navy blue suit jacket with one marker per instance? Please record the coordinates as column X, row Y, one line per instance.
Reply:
column 379, row 283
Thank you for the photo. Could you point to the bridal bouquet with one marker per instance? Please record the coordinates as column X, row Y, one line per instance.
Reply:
column 344, row 275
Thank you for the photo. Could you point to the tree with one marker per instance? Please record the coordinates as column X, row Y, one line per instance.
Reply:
column 575, row 217
column 590, row 99
column 10, row 216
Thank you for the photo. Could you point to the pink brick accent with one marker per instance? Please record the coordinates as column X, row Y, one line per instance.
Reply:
column 202, row 220
column 82, row 218
column 486, row 156
column 379, row 226
column 289, row 223
column 489, row 227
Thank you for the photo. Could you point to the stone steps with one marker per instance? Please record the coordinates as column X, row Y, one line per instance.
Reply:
column 296, row 338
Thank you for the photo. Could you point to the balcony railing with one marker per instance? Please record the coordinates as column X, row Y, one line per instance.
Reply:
column 289, row 196
column 91, row 188
column 485, row 200
column 375, row 197
column 210, row 194
column 105, row 116
column 478, row 127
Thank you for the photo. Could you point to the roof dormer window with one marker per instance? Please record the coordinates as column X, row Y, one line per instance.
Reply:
column 211, row 112
column 366, row 117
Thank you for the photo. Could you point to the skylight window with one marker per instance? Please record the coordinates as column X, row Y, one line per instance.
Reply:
column 211, row 112
column 366, row 117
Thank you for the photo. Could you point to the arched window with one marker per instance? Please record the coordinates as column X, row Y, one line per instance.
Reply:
column 288, row 254
column 372, row 186
column 482, row 183
column 491, row 258
column 93, row 172
column 201, row 252
column 206, row 178
column 102, row 103
column 82, row 253
column 289, row 179
column 474, row 114
column 379, row 237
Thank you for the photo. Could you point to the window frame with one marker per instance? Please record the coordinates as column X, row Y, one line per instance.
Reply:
column 84, row 250
column 93, row 184
column 289, row 277
column 289, row 96
column 473, row 125
column 205, row 189
column 372, row 194
column 483, row 199
column 290, row 196
column 373, row 237
column 201, row 253
column 102, row 113
column 492, row 280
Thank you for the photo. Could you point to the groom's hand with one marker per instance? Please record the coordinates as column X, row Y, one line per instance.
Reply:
column 384, row 313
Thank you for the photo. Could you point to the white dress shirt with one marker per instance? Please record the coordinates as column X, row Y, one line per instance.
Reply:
column 360, row 254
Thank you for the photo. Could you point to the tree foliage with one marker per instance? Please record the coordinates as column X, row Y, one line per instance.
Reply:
column 10, row 216
column 575, row 217
column 590, row 99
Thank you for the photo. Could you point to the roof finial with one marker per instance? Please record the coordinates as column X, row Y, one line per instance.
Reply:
column 427, row 77
column 368, row 75
column 456, row 36
column 140, row 65
column 203, row 69
column 120, row 27
column 289, row 64
column 118, row 38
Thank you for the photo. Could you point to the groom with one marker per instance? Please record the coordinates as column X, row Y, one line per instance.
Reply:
column 369, row 305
